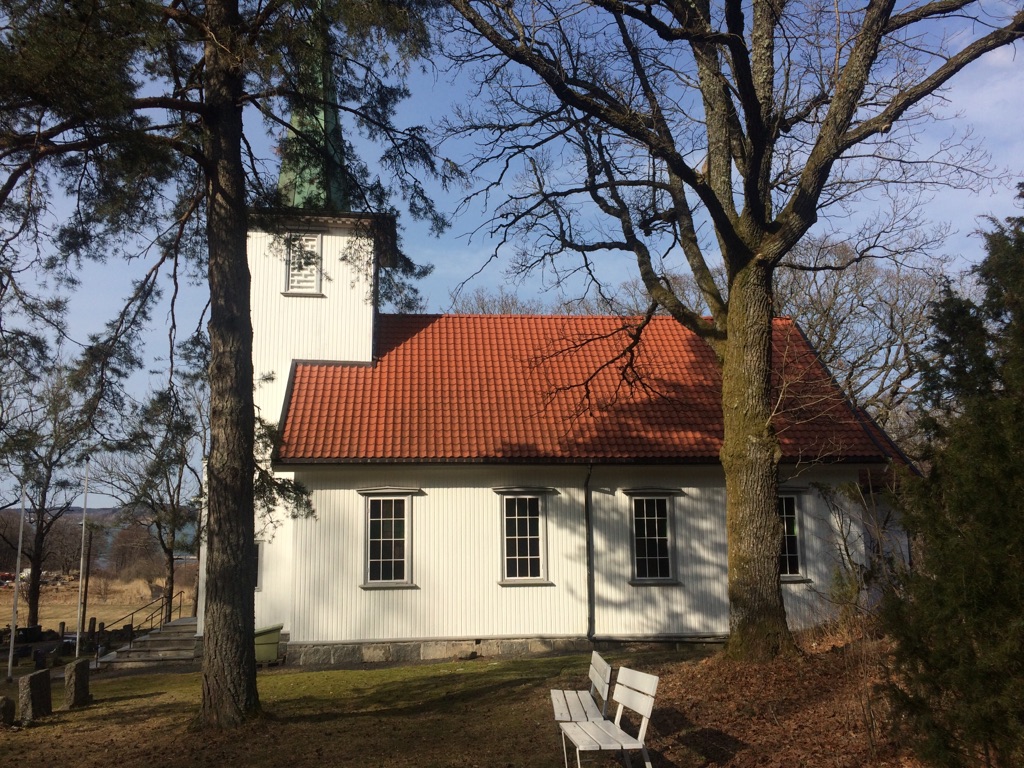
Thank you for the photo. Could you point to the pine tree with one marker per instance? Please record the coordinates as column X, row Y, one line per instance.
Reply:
column 134, row 109
column 959, row 624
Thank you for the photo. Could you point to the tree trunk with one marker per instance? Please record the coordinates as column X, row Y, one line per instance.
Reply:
column 34, row 587
column 229, row 662
column 168, row 584
column 750, row 457
column 35, row 571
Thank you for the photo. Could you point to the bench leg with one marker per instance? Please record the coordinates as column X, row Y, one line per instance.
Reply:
column 565, row 752
column 628, row 761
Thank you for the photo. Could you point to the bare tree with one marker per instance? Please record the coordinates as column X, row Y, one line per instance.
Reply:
column 672, row 132
column 155, row 476
column 64, row 545
column 135, row 554
column 46, row 440
column 501, row 302
column 868, row 319
column 8, row 554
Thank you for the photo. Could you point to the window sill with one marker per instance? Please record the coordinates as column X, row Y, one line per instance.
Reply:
column 655, row 583
column 796, row 579
column 526, row 583
column 370, row 585
column 305, row 294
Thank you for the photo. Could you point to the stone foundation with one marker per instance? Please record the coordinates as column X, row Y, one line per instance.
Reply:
column 355, row 654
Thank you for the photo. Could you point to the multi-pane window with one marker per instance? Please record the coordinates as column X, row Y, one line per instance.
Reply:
column 523, row 544
column 651, row 552
column 789, row 554
column 387, row 536
column 257, row 558
column 304, row 264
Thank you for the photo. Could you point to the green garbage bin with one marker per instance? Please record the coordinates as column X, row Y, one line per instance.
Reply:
column 267, row 639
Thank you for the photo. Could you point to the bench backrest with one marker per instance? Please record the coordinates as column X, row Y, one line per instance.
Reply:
column 635, row 690
column 600, row 679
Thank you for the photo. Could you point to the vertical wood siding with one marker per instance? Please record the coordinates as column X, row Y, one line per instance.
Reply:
column 455, row 549
column 696, row 603
column 274, row 597
column 335, row 326
column 824, row 532
column 456, row 558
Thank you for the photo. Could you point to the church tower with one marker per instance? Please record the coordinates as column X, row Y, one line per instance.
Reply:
column 313, row 259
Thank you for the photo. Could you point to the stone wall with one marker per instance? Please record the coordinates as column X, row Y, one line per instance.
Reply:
column 354, row 654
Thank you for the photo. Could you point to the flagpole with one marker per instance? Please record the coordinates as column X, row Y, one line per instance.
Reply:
column 17, row 583
column 81, row 567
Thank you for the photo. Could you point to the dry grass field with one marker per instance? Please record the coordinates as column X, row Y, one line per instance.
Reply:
column 108, row 602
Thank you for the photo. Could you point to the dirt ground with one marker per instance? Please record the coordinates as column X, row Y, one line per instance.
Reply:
column 818, row 710
column 821, row 709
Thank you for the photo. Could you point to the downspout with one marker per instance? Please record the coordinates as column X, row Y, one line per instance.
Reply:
column 588, row 524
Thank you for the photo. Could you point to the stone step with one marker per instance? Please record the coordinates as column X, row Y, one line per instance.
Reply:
column 174, row 643
column 110, row 662
column 147, row 653
column 164, row 643
column 178, row 626
column 119, row 660
column 182, row 632
column 177, row 633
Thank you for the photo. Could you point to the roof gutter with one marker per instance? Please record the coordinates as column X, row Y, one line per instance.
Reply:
column 589, row 527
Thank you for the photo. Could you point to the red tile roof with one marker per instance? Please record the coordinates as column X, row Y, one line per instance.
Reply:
column 483, row 388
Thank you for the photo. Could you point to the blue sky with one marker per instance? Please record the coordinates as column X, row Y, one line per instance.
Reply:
column 989, row 96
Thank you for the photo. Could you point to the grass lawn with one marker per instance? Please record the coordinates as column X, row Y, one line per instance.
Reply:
column 474, row 713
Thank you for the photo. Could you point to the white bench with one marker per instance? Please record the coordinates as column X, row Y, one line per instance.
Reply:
column 634, row 691
column 580, row 706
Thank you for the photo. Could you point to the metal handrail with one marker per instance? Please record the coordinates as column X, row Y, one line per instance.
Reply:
column 148, row 622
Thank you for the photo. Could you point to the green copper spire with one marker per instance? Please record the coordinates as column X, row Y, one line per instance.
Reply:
column 313, row 174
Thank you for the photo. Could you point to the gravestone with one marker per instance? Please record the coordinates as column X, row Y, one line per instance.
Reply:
column 6, row 711
column 76, row 684
column 34, row 696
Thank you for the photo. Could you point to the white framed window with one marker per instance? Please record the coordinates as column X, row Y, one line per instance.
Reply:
column 789, row 551
column 524, row 535
column 388, row 537
column 652, row 539
column 305, row 265
column 387, row 541
column 257, row 554
column 523, row 538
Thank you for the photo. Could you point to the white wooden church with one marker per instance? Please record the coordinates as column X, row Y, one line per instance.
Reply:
column 500, row 484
